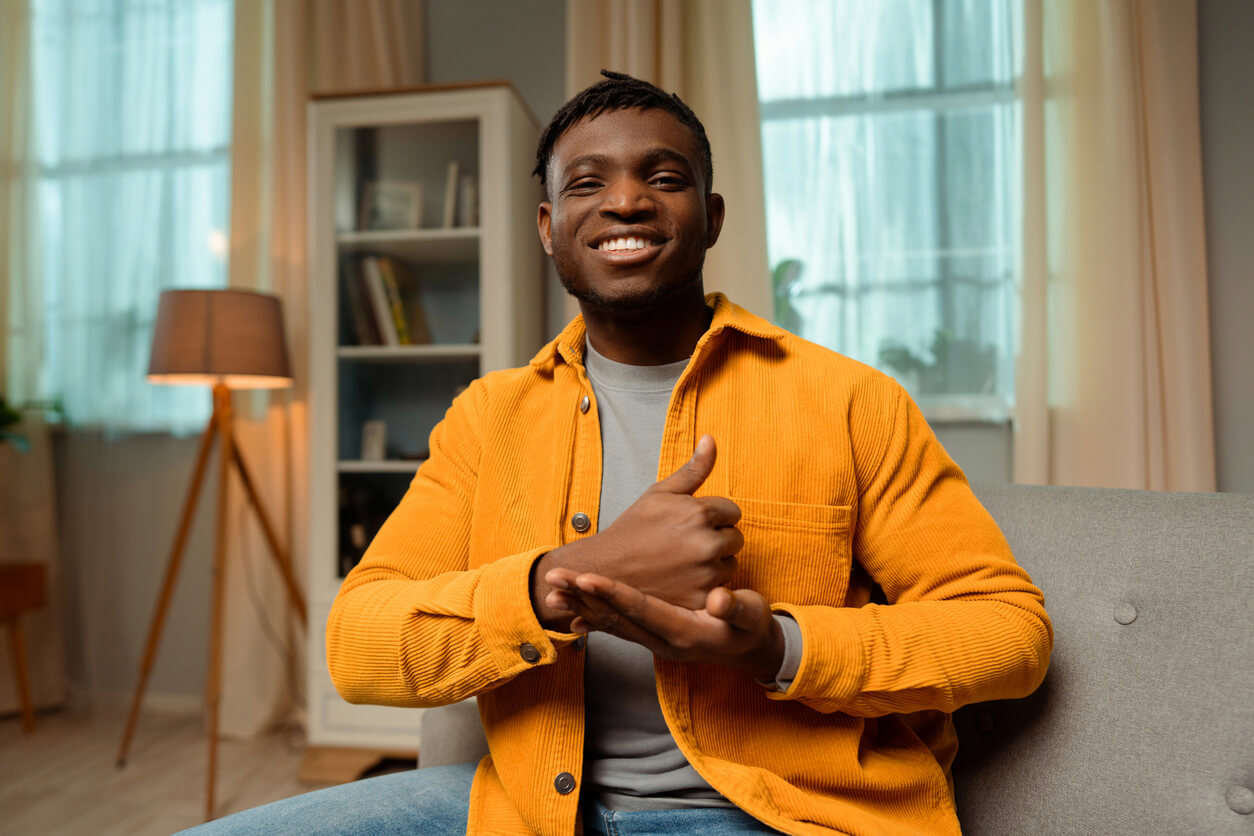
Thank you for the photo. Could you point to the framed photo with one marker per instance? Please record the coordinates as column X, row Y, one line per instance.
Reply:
column 387, row 204
column 374, row 436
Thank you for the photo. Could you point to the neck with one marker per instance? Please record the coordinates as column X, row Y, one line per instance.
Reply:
column 649, row 337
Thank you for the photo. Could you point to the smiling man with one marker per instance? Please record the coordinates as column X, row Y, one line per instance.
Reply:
column 702, row 575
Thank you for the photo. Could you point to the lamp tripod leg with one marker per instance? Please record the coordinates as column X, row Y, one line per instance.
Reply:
column 281, row 558
column 167, row 585
column 213, row 682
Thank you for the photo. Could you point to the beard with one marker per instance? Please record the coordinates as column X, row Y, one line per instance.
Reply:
column 651, row 299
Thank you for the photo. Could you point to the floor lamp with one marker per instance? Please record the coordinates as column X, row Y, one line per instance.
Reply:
column 229, row 339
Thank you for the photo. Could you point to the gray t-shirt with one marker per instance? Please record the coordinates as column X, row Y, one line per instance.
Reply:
column 631, row 761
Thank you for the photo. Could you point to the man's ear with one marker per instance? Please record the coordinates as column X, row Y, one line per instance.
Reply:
column 544, row 224
column 714, row 212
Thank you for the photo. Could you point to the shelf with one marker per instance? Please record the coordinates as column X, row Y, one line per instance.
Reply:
column 382, row 466
column 407, row 353
column 429, row 246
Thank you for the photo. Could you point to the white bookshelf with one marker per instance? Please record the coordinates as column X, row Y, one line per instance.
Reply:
column 479, row 285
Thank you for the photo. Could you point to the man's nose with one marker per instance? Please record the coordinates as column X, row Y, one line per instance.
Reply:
column 626, row 197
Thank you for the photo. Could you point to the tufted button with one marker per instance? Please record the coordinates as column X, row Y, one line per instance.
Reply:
column 580, row 522
column 528, row 651
column 564, row 782
column 1125, row 613
column 584, row 404
column 581, row 642
column 1240, row 799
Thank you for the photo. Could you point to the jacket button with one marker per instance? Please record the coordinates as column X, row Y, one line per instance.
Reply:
column 564, row 782
column 581, row 522
column 581, row 642
column 529, row 653
column 584, row 404
column 1125, row 613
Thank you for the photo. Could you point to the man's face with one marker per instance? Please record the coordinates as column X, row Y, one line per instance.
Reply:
column 629, row 221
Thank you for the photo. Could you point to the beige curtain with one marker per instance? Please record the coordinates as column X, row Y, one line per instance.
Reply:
column 285, row 50
column 1114, row 380
column 702, row 50
column 21, row 335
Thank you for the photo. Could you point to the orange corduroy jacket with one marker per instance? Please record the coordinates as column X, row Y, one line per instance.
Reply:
column 844, row 493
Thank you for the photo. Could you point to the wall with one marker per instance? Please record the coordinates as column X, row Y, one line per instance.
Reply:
column 1225, row 32
column 119, row 503
column 522, row 41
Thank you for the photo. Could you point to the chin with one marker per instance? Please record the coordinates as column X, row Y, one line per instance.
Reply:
column 627, row 296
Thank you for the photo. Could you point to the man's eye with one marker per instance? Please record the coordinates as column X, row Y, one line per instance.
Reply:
column 583, row 185
column 669, row 181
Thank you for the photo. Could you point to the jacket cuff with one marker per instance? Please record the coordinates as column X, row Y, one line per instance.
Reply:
column 506, row 620
column 833, row 665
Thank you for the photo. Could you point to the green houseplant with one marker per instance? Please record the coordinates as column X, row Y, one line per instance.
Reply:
column 8, row 418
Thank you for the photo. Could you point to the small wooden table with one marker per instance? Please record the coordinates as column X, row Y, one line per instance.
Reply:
column 23, row 587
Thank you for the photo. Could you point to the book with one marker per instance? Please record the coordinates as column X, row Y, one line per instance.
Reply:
column 379, row 301
column 468, row 201
column 361, row 328
column 395, row 305
column 410, row 292
column 450, row 194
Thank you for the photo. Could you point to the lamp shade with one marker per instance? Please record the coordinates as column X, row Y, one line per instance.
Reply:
column 234, row 337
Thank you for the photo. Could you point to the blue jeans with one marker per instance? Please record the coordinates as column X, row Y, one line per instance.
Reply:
column 435, row 801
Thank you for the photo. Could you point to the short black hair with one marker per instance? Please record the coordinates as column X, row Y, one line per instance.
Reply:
column 620, row 92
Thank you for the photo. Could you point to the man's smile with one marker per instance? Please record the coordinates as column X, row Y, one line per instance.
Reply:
column 627, row 246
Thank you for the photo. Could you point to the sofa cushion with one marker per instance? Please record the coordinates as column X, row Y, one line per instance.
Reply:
column 1145, row 723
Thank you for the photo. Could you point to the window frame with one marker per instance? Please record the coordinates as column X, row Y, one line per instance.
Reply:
column 937, row 408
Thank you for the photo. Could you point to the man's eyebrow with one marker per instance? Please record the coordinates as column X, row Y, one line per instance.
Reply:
column 649, row 158
column 588, row 159
column 661, row 154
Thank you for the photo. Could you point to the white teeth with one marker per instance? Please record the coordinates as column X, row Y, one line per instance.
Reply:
column 615, row 244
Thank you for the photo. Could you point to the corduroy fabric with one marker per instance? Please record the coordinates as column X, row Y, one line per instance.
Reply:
column 843, row 488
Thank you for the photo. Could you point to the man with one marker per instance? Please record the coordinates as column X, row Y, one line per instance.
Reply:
column 652, row 552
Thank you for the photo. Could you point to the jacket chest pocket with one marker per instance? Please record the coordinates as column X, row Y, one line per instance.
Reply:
column 794, row 553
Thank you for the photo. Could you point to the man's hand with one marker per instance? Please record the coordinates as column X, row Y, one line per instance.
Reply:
column 667, row 545
column 735, row 627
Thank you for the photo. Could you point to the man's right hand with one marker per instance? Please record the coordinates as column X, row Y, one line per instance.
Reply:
column 668, row 543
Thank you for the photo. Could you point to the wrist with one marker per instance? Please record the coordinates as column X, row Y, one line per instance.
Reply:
column 570, row 556
column 548, row 618
column 765, row 660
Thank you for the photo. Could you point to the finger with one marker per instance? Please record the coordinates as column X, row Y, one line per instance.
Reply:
column 671, row 624
column 561, row 602
column 743, row 609
column 731, row 541
column 561, row 578
column 694, row 472
column 599, row 614
column 720, row 511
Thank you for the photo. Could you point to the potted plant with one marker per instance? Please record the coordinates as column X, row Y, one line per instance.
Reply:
column 8, row 418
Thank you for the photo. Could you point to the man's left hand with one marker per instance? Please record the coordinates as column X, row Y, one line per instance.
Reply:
column 734, row 628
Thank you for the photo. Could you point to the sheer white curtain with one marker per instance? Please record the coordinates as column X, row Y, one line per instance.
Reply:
column 891, row 147
column 131, row 104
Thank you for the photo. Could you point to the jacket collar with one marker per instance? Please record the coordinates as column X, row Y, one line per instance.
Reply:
column 568, row 346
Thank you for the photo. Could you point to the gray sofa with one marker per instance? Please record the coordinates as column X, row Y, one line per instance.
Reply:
column 1145, row 723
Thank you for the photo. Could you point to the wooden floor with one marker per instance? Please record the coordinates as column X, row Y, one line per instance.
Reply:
column 61, row 779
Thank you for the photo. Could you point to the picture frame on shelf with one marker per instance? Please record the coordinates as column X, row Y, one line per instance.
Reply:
column 390, row 204
column 374, row 436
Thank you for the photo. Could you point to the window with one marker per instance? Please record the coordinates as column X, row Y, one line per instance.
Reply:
column 132, row 124
column 891, row 148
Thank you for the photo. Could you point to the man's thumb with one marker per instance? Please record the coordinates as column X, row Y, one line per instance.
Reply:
column 695, row 471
